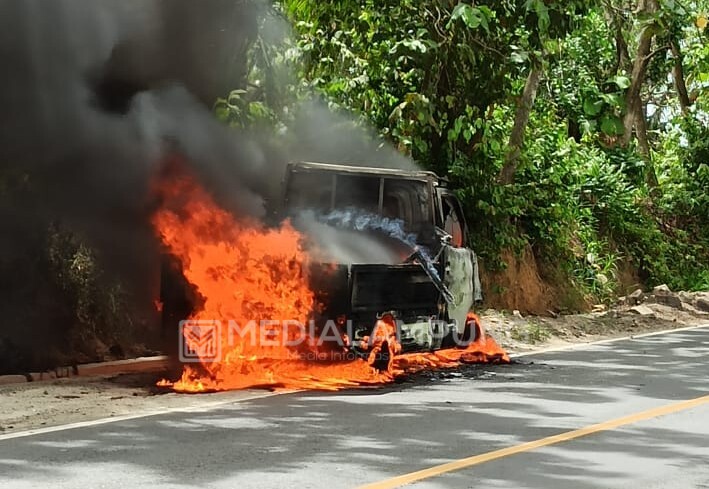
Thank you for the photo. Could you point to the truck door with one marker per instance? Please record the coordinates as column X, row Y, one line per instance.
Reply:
column 460, row 266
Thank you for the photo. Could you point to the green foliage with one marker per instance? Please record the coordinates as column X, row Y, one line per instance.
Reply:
column 442, row 80
column 425, row 75
column 585, row 88
column 99, row 305
column 683, row 208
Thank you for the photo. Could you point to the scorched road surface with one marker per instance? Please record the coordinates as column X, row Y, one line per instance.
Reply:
column 370, row 437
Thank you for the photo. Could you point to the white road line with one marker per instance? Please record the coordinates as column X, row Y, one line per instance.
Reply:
column 581, row 346
column 146, row 414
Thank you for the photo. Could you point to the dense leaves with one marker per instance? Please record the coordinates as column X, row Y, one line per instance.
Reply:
column 443, row 80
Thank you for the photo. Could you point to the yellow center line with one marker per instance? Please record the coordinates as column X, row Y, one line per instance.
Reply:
column 543, row 442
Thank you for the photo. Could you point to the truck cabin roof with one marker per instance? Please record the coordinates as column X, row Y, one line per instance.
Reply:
column 424, row 176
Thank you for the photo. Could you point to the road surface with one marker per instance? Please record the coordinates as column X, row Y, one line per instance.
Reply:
column 500, row 423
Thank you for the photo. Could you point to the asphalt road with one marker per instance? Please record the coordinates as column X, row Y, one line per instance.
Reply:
column 348, row 439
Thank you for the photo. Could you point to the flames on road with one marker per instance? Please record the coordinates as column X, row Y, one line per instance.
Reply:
column 246, row 271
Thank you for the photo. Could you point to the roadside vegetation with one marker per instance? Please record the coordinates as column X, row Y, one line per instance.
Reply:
column 576, row 133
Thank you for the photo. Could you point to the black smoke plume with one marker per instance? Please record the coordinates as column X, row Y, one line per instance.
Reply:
column 94, row 96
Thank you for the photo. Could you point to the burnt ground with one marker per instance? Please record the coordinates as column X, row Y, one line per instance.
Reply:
column 42, row 404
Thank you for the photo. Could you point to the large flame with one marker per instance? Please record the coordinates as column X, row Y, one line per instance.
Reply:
column 246, row 272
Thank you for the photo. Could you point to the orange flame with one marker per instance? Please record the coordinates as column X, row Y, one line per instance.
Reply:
column 483, row 350
column 246, row 272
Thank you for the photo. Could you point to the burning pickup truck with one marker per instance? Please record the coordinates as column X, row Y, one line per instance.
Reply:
column 386, row 243
column 378, row 253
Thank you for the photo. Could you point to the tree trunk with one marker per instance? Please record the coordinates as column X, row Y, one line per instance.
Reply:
column 514, row 151
column 641, row 132
column 642, row 58
column 622, row 56
column 644, row 147
column 678, row 75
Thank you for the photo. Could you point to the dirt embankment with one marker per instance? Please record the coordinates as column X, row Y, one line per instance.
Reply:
column 529, row 286
column 635, row 314
column 538, row 288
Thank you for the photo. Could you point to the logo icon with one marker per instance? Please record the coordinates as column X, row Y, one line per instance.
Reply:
column 200, row 341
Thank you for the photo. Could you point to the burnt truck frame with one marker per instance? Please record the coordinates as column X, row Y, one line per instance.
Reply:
column 429, row 295
column 430, row 304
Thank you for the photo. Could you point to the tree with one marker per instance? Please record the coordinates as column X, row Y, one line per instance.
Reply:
column 524, row 108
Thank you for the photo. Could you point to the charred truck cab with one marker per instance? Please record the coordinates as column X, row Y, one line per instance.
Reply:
column 388, row 242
